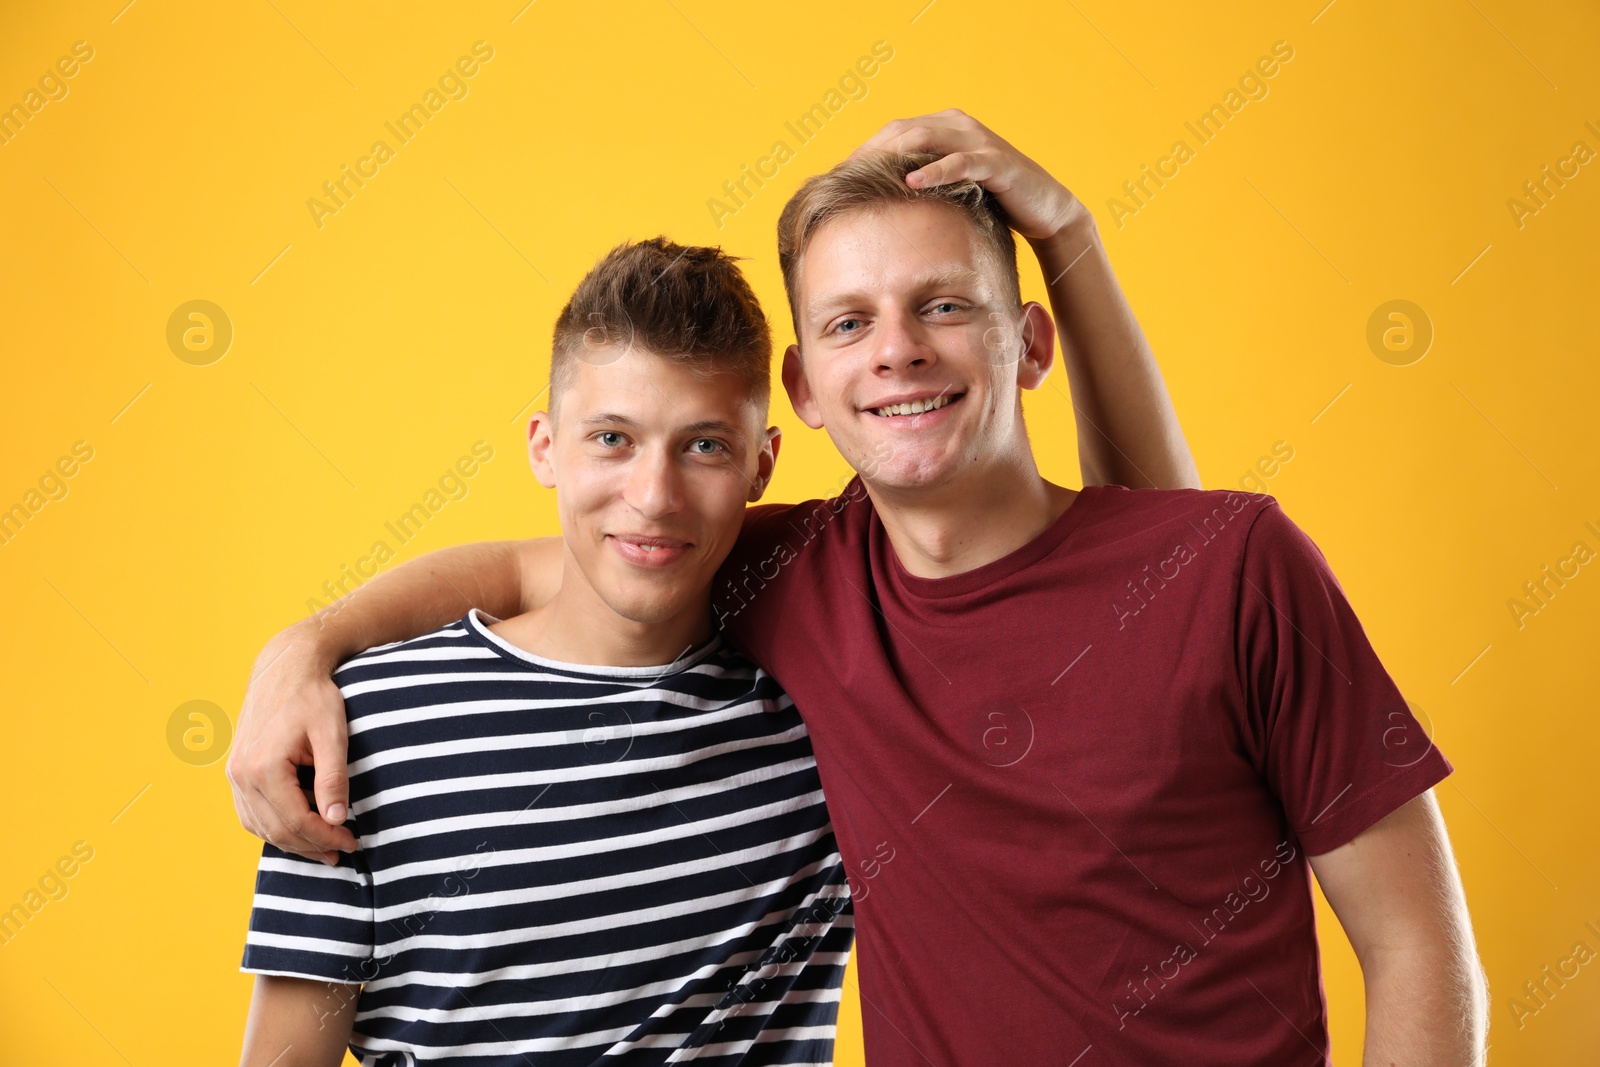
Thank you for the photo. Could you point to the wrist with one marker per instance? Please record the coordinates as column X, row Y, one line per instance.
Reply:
column 306, row 645
column 1077, row 223
column 1066, row 246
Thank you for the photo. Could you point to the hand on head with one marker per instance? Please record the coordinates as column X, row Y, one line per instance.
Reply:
column 1039, row 206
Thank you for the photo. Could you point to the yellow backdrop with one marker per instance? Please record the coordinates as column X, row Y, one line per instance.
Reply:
column 190, row 475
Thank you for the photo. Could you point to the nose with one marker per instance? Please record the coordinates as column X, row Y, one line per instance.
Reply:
column 654, row 488
column 902, row 344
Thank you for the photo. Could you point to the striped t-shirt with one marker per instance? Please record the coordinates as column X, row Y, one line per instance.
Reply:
column 565, row 865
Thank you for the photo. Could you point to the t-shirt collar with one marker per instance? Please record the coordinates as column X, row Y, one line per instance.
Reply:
column 994, row 571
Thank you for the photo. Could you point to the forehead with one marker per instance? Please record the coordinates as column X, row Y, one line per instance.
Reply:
column 895, row 246
column 653, row 390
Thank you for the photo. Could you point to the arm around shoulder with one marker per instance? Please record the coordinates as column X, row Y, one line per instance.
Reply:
column 292, row 713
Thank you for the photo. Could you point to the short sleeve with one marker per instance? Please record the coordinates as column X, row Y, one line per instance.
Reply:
column 1332, row 736
column 310, row 920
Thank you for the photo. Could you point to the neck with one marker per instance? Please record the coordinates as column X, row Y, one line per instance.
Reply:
column 974, row 520
column 576, row 626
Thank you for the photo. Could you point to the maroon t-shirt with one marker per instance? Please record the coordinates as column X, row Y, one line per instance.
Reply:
column 1075, row 788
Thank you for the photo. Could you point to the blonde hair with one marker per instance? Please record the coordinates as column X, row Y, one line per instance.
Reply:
column 875, row 180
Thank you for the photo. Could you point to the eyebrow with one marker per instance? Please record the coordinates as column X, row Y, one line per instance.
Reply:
column 715, row 426
column 827, row 305
column 607, row 418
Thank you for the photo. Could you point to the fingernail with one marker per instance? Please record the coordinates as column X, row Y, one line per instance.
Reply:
column 336, row 813
column 914, row 179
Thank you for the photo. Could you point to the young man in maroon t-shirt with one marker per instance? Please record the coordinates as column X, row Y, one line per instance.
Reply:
column 1082, row 750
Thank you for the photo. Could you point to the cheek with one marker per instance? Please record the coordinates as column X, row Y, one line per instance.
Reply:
column 832, row 384
column 720, row 498
column 716, row 503
column 587, row 492
column 987, row 340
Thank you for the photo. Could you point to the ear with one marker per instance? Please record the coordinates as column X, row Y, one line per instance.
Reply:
column 799, row 390
column 541, row 441
column 1038, row 346
column 766, row 463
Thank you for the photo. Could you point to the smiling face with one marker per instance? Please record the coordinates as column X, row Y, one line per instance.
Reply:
column 653, row 462
column 912, row 352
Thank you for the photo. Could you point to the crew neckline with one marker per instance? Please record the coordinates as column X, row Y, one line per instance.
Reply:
column 474, row 621
column 1023, row 556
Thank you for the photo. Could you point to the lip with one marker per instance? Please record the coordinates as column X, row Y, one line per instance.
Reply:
column 913, row 422
column 650, row 552
column 906, row 398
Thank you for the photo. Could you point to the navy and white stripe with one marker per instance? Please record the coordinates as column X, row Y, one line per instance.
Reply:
column 568, row 864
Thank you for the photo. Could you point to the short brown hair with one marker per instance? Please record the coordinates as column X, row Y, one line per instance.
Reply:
column 691, row 305
column 877, row 179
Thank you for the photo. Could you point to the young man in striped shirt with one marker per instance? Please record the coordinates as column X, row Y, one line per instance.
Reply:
column 592, row 832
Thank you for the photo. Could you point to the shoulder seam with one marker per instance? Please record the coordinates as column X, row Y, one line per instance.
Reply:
column 1238, row 601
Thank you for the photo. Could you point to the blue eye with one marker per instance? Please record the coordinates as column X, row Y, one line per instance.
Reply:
column 842, row 327
column 609, row 438
column 713, row 447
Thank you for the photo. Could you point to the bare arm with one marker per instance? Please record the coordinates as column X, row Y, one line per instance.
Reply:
column 293, row 715
column 295, row 1022
column 1128, row 432
column 1398, row 895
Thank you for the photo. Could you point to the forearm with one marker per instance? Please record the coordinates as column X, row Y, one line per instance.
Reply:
column 412, row 599
column 295, row 1022
column 1425, row 1009
column 1128, row 431
column 293, row 714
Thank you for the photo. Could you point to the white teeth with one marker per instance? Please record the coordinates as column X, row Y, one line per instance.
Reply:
column 914, row 407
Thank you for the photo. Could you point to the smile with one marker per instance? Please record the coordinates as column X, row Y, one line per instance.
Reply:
column 916, row 407
column 650, row 551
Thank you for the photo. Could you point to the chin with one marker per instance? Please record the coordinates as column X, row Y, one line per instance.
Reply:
column 647, row 607
column 907, row 472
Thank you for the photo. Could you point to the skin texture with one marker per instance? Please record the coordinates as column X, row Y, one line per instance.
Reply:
column 1128, row 432
column 901, row 304
column 645, row 451
column 297, row 1023
column 1398, row 895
